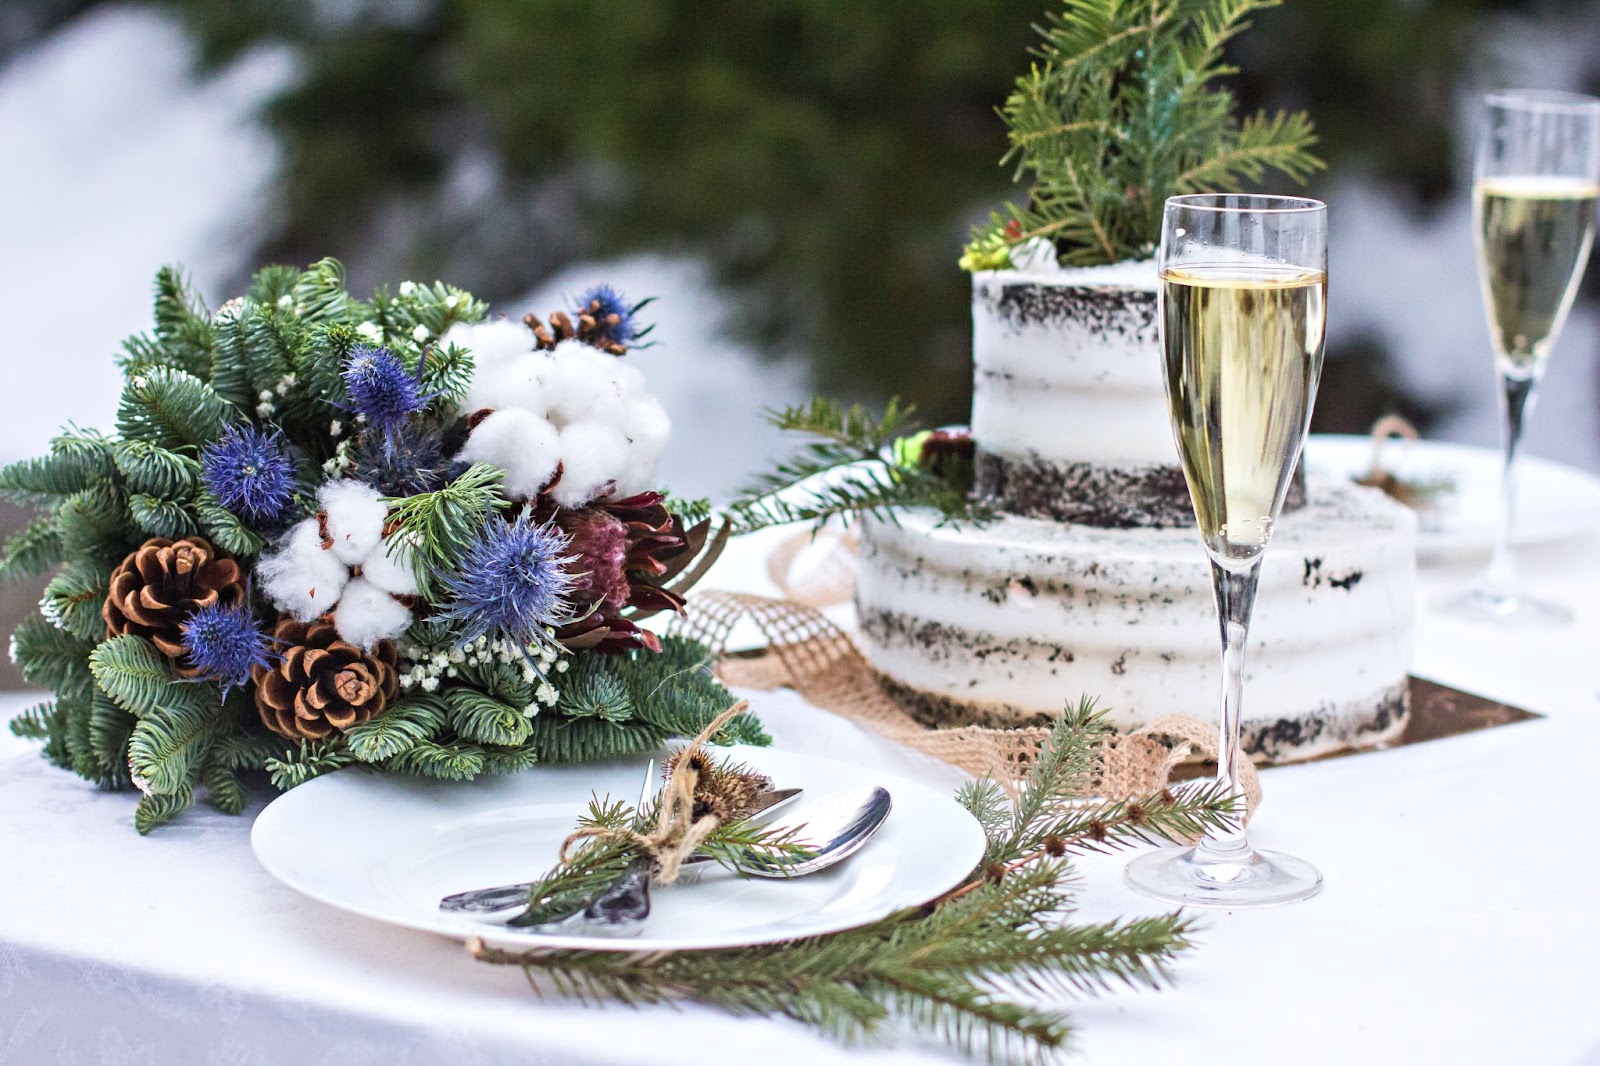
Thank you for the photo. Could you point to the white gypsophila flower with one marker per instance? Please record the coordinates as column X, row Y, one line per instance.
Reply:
column 355, row 517
column 265, row 410
column 285, row 301
column 370, row 331
column 408, row 288
column 520, row 443
column 335, row 428
column 367, row 614
column 420, row 334
column 299, row 577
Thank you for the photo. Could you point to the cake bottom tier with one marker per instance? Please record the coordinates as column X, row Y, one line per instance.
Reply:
column 1006, row 624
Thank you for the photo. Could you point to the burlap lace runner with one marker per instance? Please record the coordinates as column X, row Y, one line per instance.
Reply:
column 809, row 654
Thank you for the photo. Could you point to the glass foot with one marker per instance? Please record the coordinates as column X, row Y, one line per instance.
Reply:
column 1507, row 609
column 1247, row 878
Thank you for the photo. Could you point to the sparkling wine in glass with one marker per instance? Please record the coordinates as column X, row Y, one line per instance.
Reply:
column 1244, row 289
column 1536, row 181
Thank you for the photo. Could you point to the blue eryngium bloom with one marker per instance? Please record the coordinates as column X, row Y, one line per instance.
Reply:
column 250, row 473
column 382, row 390
column 611, row 302
column 224, row 642
column 513, row 583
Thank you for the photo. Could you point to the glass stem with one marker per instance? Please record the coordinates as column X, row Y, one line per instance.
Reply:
column 1236, row 599
column 1516, row 402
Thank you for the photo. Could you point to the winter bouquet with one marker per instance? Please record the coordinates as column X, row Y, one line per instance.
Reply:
column 330, row 531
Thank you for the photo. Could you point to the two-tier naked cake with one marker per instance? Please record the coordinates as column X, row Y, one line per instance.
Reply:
column 1093, row 581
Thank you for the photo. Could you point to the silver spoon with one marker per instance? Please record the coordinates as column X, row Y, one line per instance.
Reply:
column 831, row 829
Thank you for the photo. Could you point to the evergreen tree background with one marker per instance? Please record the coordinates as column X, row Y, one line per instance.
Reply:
column 826, row 159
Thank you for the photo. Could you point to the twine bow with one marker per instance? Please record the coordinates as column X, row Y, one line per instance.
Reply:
column 678, row 833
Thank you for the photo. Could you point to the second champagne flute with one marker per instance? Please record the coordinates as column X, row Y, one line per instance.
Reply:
column 1536, row 180
column 1244, row 288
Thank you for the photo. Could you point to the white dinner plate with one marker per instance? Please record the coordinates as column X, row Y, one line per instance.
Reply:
column 389, row 847
column 1554, row 501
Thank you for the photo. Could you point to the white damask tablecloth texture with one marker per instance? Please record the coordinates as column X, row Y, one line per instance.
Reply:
column 1459, row 924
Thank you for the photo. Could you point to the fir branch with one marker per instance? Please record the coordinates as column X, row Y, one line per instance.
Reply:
column 32, row 550
column 183, row 326
column 1123, row 109
column 956, row 970
column 441, row 526
column 847, row 470
column 168, row 745
column 312, row 758
column 455, row 760
column 34, row 723
column 51, row 658
column 481, row 718
column 172, row 409
column 156, row 810
column 73, row 598
column 413, row 719
column 156, row 471
column 161, row 517
column 134, row 673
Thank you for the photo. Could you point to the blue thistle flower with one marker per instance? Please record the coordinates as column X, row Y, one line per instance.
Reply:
column 513, row 582
column 382, row 390
column 409, row 461
column 224, row 642
column 250, row 473
column 603, row 302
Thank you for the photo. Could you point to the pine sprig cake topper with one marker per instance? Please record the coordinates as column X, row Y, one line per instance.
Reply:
column 326, row 531
column 1120, row 111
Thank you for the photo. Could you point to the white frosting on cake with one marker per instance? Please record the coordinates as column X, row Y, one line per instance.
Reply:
column 1083, row 390
column 1021, row 617
column 1011, row 622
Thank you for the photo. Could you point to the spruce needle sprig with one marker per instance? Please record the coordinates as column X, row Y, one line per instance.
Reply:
column 846, row 470
column 967, row 969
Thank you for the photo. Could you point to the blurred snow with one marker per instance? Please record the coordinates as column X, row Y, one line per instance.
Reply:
column 118, row 161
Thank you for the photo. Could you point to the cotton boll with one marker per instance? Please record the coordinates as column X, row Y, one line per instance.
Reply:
column 300, row 578
column 356, row 514
column 367, row 614
column 593, row 457
column 646, row 427
column 630, row 383
column 512, row 382
column 577, row 381
column 490, row 342
column 520, row 443
column 390, row 568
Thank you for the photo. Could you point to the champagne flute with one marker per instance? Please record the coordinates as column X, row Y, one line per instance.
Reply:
column 1243, row 301
column 1535, row 184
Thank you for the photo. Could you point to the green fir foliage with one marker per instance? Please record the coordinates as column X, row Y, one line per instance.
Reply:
column 846, row 470
column 1121, row 110
column 967, row 969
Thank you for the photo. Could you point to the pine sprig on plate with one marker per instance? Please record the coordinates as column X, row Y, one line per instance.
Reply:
column 968, row 968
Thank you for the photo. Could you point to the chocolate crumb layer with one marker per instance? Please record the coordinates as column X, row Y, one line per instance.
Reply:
column 1369, row 724
column 1090, row 494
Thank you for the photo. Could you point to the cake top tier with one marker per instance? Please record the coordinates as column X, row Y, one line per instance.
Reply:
column 1069, row 410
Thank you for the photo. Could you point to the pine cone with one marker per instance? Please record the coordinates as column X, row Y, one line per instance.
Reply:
column 594, row 327
column 322, row 684
column 156, row 589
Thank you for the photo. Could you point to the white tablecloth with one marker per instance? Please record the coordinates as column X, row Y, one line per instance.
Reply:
column 1460, row 923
